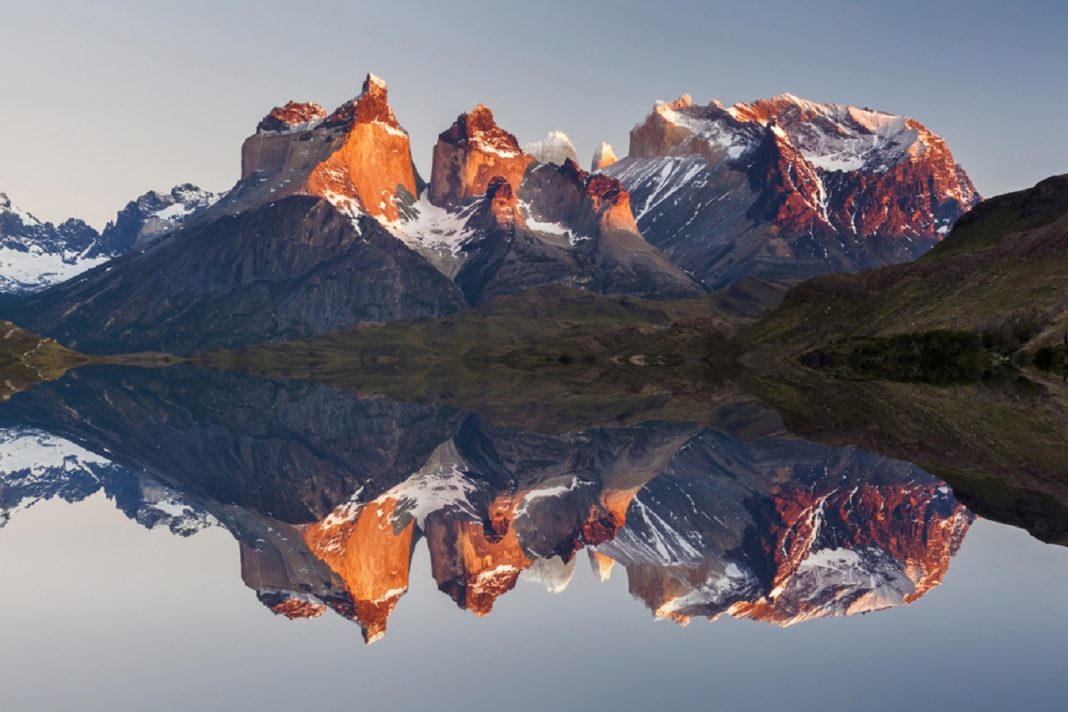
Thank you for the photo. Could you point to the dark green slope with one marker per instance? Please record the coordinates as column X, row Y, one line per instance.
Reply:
column 1001, row 276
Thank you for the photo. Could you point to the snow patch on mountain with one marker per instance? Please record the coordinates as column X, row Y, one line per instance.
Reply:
column 664, row 176
column 35, row 255
column 442, row 483
column 548, row 491
column 428, row 228
column 549, row 227
column 34, row 453
column 37, row 268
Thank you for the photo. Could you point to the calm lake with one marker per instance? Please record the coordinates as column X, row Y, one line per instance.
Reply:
column 181, row 539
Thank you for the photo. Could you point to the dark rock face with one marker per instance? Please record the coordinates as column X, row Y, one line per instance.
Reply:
column 17, row 228
column 153, row 215
column 787, row 188
column 291, row 451
column 294, row 268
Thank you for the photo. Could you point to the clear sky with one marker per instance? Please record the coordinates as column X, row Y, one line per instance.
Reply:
column 102, row 101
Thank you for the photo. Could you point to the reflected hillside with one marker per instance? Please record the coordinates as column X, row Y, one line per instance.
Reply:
column 328, row 495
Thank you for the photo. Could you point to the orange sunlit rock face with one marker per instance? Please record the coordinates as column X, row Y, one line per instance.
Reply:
column 791, row 191
column 608, row 516
column 897, row 201
column 502, row 205
column 358, row 156
column 601, row 200
column 370, row 555
column 375, row 160
column 603, row 157
column 470, row 154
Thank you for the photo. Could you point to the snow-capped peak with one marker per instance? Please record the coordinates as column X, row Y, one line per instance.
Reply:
column 375, row 81
column 35, row 254
column 6, row 206
column 831, row 137
column 483, row 133
column 839, row 137
column 153, row 215
column 556, row 148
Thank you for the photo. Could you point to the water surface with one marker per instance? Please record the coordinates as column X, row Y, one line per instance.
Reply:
column 185, row 538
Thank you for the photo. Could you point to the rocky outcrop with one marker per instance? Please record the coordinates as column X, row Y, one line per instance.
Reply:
column 578, row 230
column 499, row 210
column 603, row 157
column 472, row 152
column 294, row 116
column 591, row 204
column 556, row 148
column 358, row 157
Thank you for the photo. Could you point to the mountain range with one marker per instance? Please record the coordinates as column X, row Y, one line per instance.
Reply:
column 35, row 255
column 331, row 225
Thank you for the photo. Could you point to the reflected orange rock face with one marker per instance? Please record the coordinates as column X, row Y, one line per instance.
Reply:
column 293, row 608
column 898, row 521
column 702, row 533
column 827, row 552
column 472, row 566
column 474, row 561
column 371, row 555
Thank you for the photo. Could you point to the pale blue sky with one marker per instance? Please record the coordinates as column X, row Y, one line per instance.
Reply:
column 102, row 101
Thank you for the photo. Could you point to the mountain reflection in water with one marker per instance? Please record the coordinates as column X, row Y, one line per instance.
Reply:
column 328, row 495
